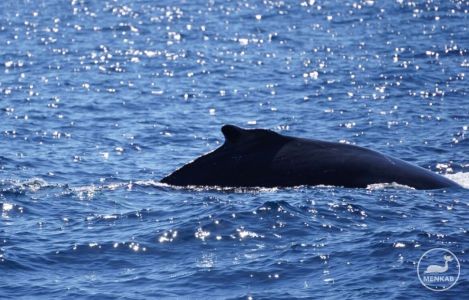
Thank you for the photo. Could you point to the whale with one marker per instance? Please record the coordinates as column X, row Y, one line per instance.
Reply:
column 264, row 158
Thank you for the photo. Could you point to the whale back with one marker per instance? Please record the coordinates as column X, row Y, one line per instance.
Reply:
column 259, row 157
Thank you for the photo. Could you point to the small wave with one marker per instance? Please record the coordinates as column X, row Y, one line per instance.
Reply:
column 77, row 252
column 88, row 191
column 275, row 206
column 461, row 178
column 115, row 217
column 33, row 185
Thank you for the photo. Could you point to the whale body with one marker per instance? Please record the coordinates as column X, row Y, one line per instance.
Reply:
column 264, row 158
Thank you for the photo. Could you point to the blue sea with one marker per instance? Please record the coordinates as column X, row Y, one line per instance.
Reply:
column 99, row 100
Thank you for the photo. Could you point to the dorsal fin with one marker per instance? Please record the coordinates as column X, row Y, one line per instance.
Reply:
column 232, row 133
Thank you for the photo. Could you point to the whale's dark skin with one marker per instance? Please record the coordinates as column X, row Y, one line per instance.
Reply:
column 263, row 158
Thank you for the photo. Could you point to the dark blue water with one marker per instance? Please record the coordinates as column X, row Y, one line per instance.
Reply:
column 101, row 99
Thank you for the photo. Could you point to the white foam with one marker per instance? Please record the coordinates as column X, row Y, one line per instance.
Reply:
column 461, row 178
column 393, row 185
column 150, row 182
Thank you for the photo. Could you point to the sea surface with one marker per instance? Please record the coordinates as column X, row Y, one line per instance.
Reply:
column 101, row 99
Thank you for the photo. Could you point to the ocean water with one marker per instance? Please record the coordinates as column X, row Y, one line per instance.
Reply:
column 101, row 99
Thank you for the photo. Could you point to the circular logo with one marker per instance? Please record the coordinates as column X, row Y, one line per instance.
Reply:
column 438, row 269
